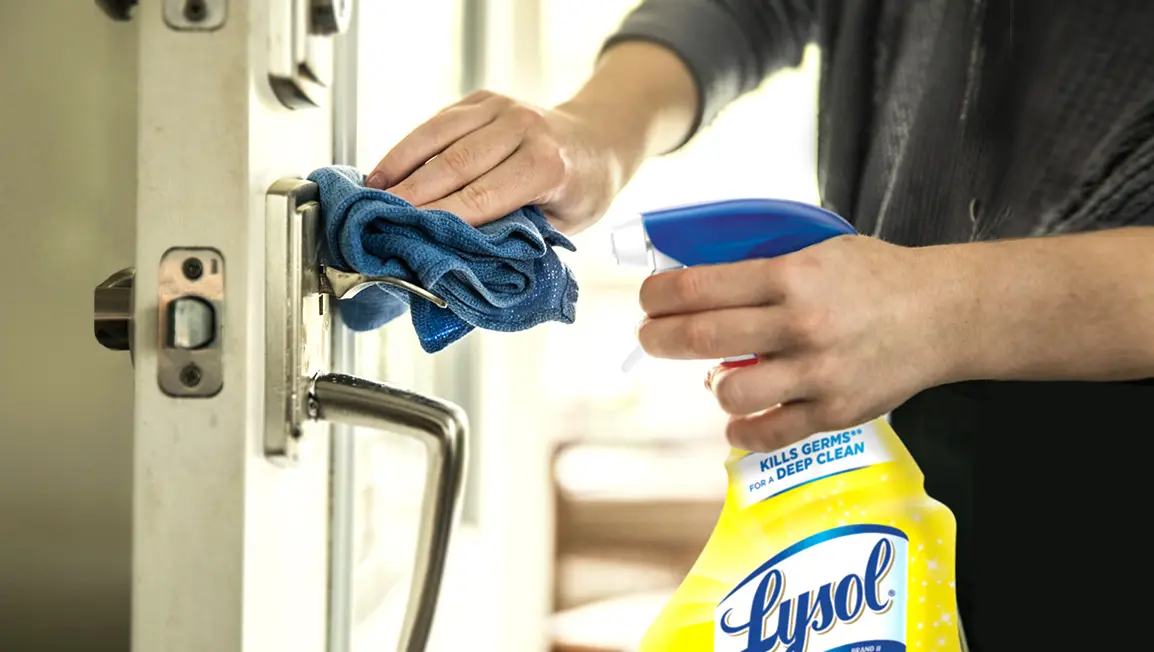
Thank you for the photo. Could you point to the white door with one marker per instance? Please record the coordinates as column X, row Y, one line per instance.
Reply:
column 229, row 317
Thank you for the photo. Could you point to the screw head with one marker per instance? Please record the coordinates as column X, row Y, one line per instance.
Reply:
column 195, row 11
column 190, row 376
column 192, row 268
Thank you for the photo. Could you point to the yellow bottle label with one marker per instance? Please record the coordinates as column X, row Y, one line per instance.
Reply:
column 828, row 545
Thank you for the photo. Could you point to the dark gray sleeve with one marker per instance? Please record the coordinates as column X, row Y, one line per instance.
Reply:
column 729, row 46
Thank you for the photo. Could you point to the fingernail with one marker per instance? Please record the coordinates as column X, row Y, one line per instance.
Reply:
column 376, row 180
column 709, row 378
column 639, row 326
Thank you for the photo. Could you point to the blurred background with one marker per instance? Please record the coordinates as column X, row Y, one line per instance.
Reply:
column 590, row 491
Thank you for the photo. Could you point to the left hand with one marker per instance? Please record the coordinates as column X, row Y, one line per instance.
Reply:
column 846, row 329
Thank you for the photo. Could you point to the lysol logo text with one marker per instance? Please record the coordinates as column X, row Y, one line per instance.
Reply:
column 840, row 587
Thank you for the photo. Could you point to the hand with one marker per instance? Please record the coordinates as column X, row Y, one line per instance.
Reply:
column 847, row 330
column 489, row 155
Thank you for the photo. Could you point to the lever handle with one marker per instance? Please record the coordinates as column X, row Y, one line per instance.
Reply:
column 346, row 285
column 442, row 427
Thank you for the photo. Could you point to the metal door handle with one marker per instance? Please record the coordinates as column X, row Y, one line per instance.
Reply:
column 442, row 428
column 300, row 389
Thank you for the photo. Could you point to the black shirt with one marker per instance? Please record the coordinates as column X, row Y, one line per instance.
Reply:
column 948, row 121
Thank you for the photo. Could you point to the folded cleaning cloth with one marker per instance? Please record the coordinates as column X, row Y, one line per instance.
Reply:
column 503, row 276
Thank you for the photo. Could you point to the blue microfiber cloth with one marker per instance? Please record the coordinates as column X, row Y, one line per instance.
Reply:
column 503, row 276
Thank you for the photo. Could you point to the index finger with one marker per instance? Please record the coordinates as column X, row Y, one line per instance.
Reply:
column 429, row 140
column 711, row 287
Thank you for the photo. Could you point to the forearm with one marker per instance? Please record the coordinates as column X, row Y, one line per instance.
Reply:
column 1075, row 307
column 674, row 64
column 641, row 99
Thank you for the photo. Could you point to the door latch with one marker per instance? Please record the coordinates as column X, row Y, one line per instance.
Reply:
column 190, row 315
column 190, row 318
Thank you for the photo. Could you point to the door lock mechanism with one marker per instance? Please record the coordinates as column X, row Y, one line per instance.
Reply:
column 298, row 390
column 190, row 307
column 301, row 48
column 299, row 387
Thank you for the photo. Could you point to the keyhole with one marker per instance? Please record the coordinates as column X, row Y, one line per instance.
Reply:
column 195, row 10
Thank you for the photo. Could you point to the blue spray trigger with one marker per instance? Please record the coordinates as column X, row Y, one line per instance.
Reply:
column 739, row 229
column 722, row 232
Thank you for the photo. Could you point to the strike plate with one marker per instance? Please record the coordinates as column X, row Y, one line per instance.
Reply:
column 189, row 354
column 297, row 320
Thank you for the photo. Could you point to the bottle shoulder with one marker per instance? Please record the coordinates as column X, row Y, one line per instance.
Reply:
column 847, row 458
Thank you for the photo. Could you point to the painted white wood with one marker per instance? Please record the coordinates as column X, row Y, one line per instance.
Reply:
column 229, row 550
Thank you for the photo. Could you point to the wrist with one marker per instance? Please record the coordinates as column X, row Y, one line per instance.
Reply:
column 616, row 130
column 641, row 101
column 949, row 302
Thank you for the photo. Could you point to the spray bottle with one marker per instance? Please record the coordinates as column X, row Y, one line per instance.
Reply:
column 827, row 545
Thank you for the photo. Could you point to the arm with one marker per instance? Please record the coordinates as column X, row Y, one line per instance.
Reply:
column 675, row 64
column 850, row 328
column 489, row 155
column 729, row 46
column 643, row 102
column 670, row 68
column 1071, row 307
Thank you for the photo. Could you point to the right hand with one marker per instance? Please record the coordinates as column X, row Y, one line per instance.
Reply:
column 488, row 155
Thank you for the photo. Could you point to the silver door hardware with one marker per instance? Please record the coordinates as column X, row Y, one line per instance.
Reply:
column 193, row 323
column 190, row 307
column 301, row 36
column 112, row 309
column 298, row 388
column 297, row 290
column 346, row 285
column 195, row 15
column 442, row 428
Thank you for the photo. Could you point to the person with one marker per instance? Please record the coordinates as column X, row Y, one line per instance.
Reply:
column 998, row 157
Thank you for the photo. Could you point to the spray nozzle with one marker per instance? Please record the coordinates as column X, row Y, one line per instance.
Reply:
column 631, row 245
column 631, row 248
